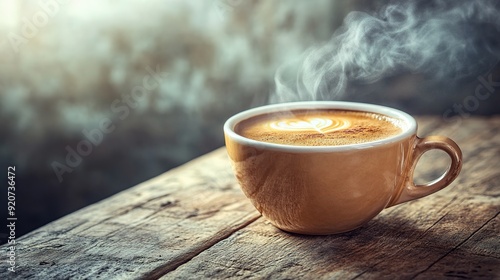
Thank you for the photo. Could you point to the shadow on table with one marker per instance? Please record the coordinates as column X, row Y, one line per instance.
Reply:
column 401, row 246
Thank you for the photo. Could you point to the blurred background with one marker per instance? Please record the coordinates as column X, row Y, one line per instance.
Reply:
column 98, row 96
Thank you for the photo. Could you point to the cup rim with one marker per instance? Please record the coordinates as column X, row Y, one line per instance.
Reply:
column 408, row 131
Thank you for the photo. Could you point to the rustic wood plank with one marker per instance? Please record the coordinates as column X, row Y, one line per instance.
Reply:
column 477, row 257
column 429, row 238
column 391, row 246
column 142, row 232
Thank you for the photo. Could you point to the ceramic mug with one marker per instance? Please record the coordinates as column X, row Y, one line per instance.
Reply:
column 333, row 189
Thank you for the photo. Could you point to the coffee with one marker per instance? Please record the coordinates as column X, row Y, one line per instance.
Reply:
column 319, row 127
column 330, row 189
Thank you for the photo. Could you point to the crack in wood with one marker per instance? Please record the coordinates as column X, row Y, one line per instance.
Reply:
column 220, row 236
column 125, row 210
column 454, row 198
column 402, row 248
column 455, row 247
column 58, row 232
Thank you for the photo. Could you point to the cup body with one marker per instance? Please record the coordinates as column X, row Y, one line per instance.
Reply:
column 325, row 189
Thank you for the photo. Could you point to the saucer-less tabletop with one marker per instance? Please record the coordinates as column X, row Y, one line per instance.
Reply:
column 193, row 222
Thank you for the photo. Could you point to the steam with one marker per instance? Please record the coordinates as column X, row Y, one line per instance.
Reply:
column 441, row 40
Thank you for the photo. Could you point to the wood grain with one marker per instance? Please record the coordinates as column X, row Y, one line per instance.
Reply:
column 193, row 222
column 145, row 231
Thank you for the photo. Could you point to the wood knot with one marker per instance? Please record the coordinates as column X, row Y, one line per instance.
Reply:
column 49, row 263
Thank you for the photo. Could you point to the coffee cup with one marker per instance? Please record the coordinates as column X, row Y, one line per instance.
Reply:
column 328, row 167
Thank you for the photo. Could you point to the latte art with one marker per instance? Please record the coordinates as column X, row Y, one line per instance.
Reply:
column 321, row 125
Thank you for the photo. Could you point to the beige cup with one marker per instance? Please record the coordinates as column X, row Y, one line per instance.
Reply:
column 333, row 189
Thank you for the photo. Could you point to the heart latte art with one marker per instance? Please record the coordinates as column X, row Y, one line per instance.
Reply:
column 321, row 127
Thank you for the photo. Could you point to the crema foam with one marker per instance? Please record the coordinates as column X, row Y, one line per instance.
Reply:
column 320, row 127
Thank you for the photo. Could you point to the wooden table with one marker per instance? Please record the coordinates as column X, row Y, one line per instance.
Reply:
column 193, row 222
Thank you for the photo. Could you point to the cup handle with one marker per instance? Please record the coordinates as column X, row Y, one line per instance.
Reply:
column 410, row 191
